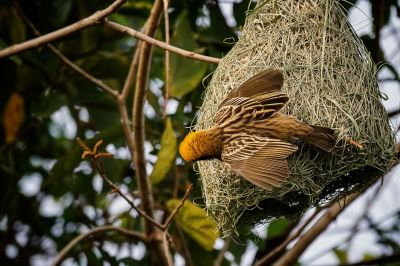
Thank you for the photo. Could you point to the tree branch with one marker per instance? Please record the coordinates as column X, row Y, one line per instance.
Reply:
column 176, row 210
column 273, row 255
column 131, row 75
column 167, row 57
column 220, row 259
column 96, row 231
column 159, row 255
column 119, row 192
column 94, row 154
column 123, row 112
column 64, row 59
column 160, row 44
column 94, row 19
column 291, row 256
column 145, row 55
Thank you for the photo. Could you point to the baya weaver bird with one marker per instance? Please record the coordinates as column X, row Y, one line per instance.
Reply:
column 251, row 136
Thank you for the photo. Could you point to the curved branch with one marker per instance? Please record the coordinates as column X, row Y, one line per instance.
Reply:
column 221, row 256
column 94, row 19
column 271, row 256
column 142, row 77
column 130, row 77
column 146, row 38
column 96, row 231
column 161, row 256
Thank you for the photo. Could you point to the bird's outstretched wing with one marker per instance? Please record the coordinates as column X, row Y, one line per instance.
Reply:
column 261, row 93
column 260, row 160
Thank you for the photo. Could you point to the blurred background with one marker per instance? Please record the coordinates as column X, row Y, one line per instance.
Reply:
column 48, row 195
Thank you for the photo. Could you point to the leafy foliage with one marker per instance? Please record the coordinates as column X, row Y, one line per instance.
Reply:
column 166, row 156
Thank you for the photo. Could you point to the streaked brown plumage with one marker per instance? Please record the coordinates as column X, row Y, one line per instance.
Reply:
column 251, row 136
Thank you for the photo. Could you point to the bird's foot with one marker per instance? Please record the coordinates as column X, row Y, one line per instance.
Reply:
column 354, row 143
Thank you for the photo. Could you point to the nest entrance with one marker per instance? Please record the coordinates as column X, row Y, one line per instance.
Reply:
column 330, row 81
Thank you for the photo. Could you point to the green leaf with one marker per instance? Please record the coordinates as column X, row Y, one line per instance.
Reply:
column 186, row 74
column 195, row 222
column 47, row 104
column 166, row 155
column 341, row 255
column 277, row 227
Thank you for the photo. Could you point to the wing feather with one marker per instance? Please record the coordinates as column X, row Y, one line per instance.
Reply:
column 270, row 80
column 262, row 93
column 260, row 160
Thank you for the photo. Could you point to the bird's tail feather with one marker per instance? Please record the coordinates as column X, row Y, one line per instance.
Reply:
column 322, row 137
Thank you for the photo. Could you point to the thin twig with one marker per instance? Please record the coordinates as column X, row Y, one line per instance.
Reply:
column 185, row 250
column 271, row 256
column 64, row 59
column 96, row 231
column 160, row 44
column 176, row 210
column 220, row 259
column 123, row 112
column 159, row 254
column 166, row 249
column 354, row 229
column 94, row 19
column 291, row 256
column 164, row 227
column 167, row 61
column 131, row 75
column 116, row 189
column 94, row 154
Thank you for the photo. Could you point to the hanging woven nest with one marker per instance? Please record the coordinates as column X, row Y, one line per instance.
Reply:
column 330, row 80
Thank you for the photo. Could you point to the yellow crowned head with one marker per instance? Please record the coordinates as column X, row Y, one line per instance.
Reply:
column 187, row 147
column 201, row 145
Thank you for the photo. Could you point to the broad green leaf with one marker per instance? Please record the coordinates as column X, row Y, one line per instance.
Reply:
column 195, row 222
column 166, row 155
column 186, row 74
column 341, row 255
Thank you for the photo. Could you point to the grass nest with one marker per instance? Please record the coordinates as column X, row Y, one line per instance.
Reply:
column 330, row 80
